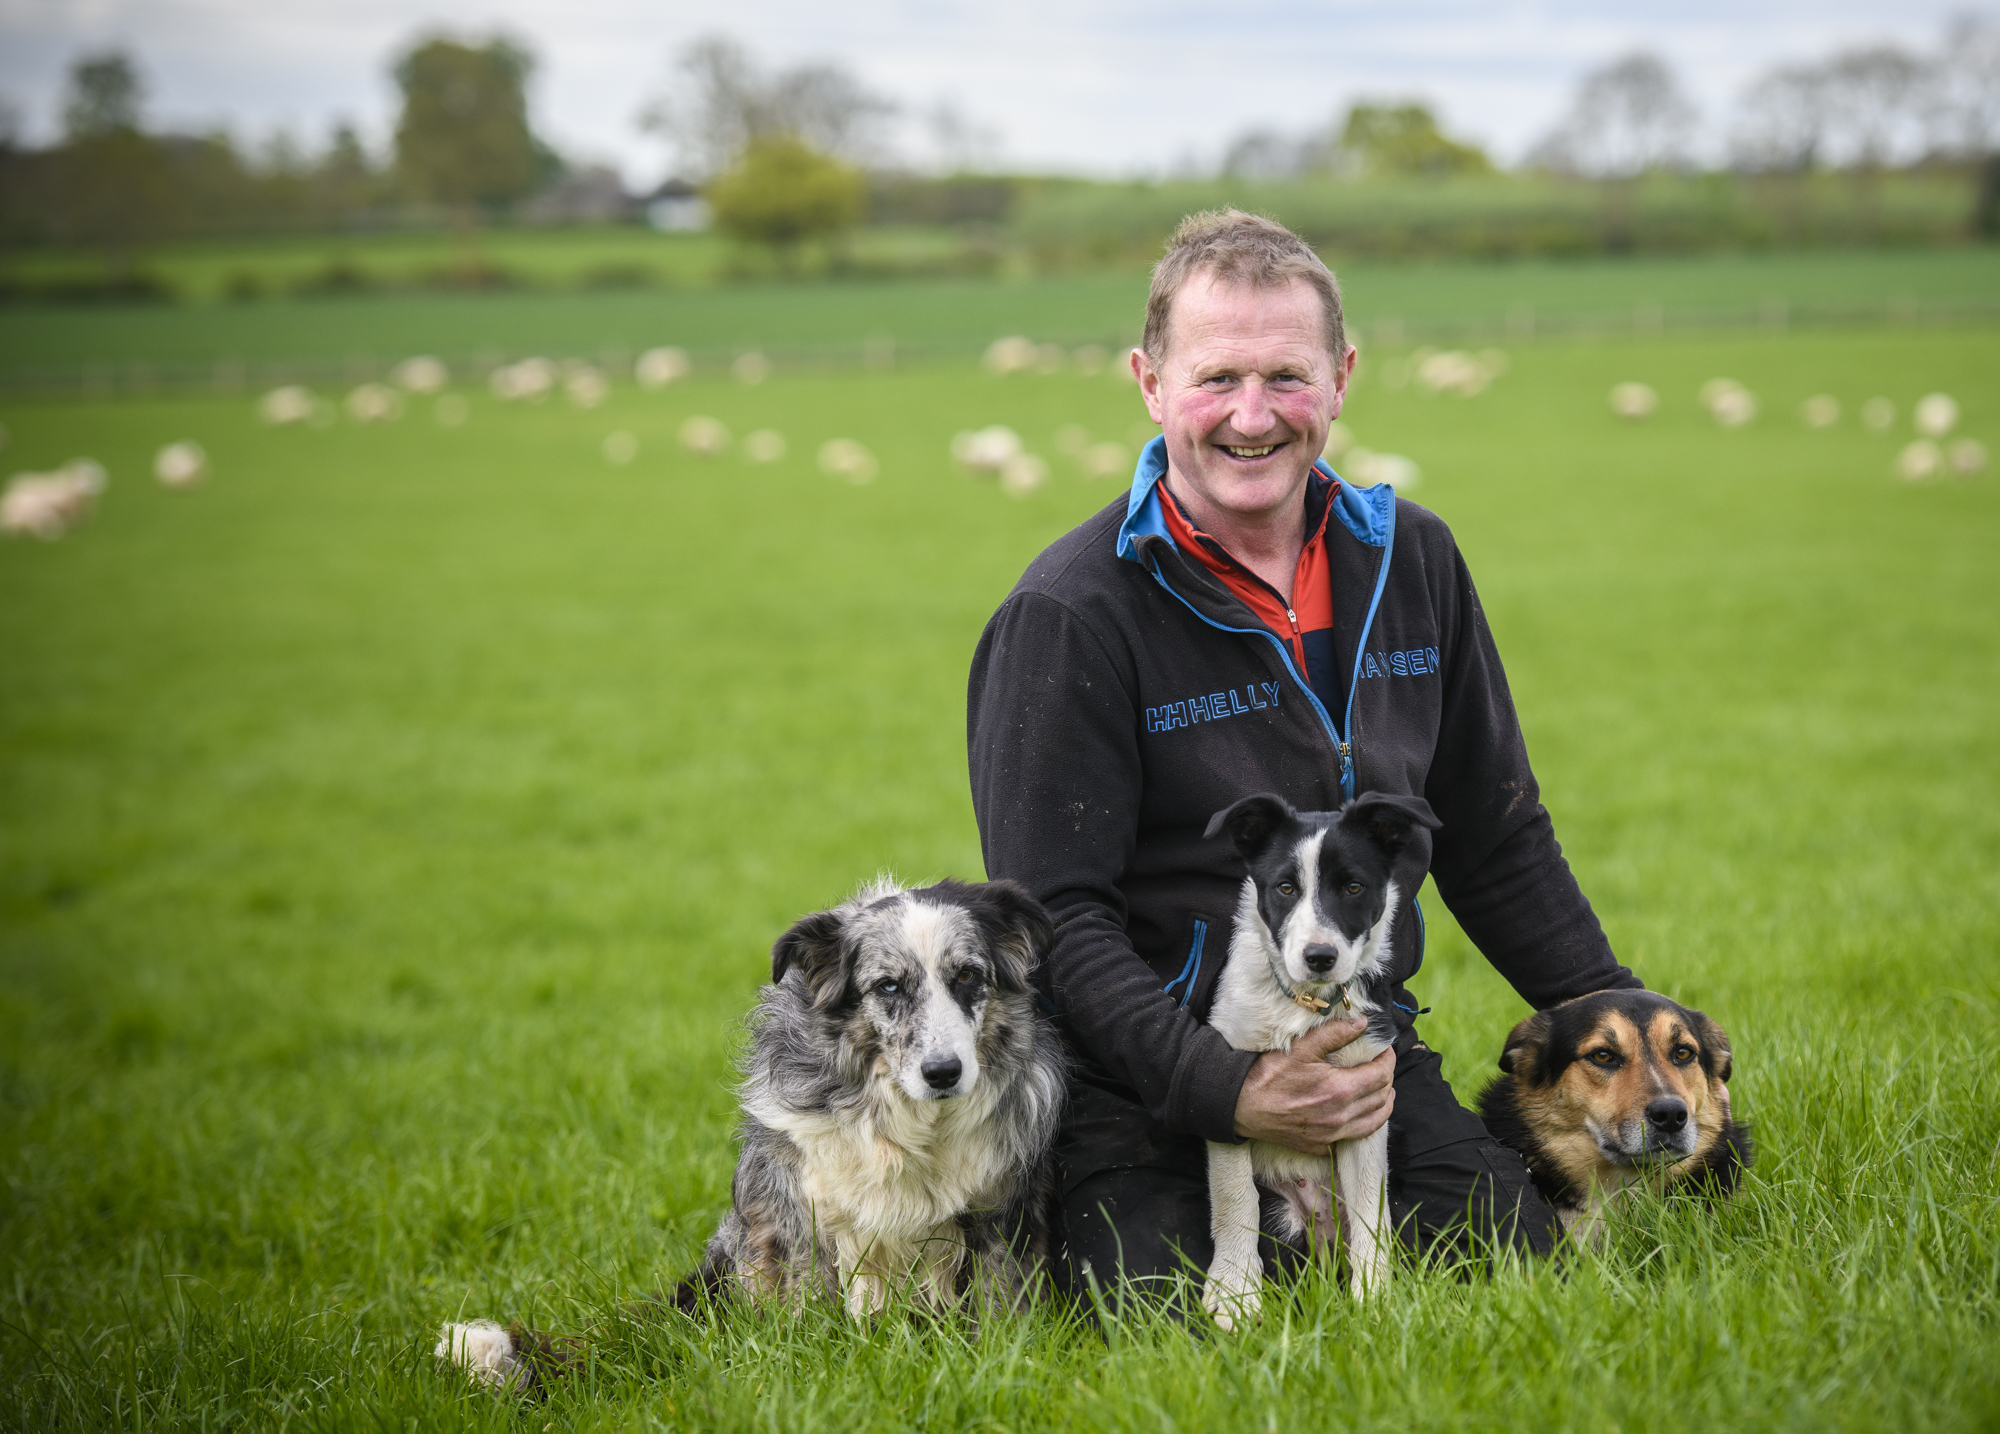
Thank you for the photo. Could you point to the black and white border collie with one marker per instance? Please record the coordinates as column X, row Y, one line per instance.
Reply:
column 900, row 1096
column 1311, row 944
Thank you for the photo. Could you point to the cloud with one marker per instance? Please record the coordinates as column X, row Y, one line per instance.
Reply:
column 1102, row 86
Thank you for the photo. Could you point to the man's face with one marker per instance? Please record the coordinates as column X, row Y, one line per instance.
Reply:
column 1245, row 394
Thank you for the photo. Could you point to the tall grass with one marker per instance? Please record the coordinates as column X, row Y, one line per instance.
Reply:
column 393, row 830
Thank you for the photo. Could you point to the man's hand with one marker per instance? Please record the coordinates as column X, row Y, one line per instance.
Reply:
column 1294, row 1098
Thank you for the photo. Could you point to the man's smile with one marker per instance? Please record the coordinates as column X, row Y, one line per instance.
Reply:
column 1235, row 450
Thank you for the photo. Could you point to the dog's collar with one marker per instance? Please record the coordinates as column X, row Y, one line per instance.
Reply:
column 1306, row 1000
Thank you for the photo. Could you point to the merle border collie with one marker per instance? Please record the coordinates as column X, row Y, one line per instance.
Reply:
column 1603, row 1091
column 899, row 1097
column 1311, row 943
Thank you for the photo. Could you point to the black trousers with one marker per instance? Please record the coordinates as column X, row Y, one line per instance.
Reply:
column 1453, row 1191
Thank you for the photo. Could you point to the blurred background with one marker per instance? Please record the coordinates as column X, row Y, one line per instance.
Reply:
column 134, row 137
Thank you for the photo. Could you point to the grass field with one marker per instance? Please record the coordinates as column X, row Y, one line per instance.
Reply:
column 822, row 324
column 393, row 829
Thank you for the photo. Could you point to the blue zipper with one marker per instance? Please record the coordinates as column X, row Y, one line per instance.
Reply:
column 1191, row 972
column 1343, row 745
column 1361, row 648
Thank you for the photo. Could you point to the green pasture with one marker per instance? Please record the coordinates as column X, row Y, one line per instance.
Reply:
column 136, row 349
column 255, row 269
column 394, row 828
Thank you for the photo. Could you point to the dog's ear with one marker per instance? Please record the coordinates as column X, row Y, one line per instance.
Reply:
column 1525, row 1044
column 813, row 948
column 1389, row 820
column 1716, row 1057
column 1017, row 928
column 1251, row 822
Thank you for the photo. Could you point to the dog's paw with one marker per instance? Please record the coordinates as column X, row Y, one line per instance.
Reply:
column 1233, row 1301
column 484, row 1350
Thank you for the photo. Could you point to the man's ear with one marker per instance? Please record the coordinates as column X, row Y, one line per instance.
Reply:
column 813, row 948
column 1148, row 378
column 1252, row 822
column 1524, row 1045
column 1390, row 821
column 1017, row 929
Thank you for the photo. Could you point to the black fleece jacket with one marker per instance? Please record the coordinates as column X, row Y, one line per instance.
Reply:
column 1119, row 701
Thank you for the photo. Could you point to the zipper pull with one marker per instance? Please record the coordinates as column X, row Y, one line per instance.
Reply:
column 1294, row 618
column 1346, row 759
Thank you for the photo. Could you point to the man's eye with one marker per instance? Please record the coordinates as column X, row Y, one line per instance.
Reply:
column 1603, row 1058
column 1285, row 888
column 1354, row 888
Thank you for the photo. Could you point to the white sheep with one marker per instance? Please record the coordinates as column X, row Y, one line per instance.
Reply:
column 420, row 375
column 659, row 367
column 1634, row 400
column 1936, row 414
column 705, row 436
column 845, row 458
column 180, row 465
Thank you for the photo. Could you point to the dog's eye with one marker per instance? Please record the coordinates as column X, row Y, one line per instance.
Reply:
column 1603, row 1057
column 1354, row 888
column 1683, row 1054
column 968, row 977
column 1285, row 888
column 888, row 988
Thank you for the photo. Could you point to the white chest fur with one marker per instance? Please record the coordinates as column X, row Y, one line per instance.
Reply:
column 886, row 1188
column 1253, row 1013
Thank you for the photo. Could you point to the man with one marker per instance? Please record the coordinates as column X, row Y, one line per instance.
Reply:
column 1245, row 622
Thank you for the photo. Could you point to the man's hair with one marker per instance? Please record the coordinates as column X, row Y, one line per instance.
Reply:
column 1237, row 248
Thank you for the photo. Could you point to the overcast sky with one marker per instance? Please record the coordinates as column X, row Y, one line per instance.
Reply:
column 1097, row 86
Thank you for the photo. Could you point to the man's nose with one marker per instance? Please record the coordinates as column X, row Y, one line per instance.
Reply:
column 1253, row 416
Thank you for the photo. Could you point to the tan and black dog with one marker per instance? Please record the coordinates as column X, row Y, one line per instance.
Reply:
column 1601, row 1091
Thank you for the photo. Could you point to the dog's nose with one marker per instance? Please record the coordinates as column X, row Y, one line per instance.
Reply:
column 1320, row 959
column 942, row 1072
column 1667, row 1115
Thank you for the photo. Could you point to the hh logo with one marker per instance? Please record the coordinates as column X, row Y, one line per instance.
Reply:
column 1212, row 706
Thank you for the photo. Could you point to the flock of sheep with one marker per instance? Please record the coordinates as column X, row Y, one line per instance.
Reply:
column 45, row 505
column 1932, row 454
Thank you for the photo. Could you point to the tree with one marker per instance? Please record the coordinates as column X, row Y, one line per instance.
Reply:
column 109, row 185
column 1965, row 91
column 343, row 183
column 1405, row 139
column 1876, row 103
column 1266, row 154
column 463, row 141
column 1784, row 121
column 104, row 97
column 783, row 192
column 723, row 102
column 1965, row 114
column 1628, row 119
